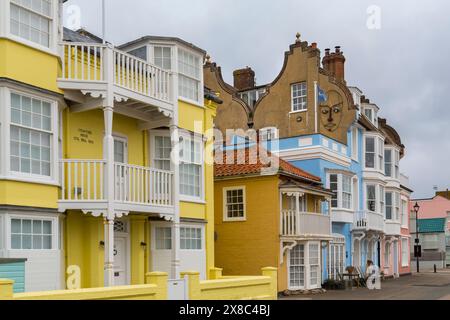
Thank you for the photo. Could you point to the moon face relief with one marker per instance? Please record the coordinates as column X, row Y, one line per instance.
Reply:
column 331, row 111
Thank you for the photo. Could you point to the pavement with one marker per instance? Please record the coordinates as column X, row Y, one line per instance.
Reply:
column 418, row 286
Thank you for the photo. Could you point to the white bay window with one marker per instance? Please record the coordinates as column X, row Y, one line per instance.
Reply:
column 190, row 76
column 342, row 187
column 32, row 20
column 374, row 153
column 191, row 166
column 30, row 136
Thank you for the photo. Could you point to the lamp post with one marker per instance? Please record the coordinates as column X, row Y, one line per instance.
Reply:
column 416, row 246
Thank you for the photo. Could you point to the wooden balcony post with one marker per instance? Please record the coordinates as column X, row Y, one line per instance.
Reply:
column 297, row 214
column 175, row 168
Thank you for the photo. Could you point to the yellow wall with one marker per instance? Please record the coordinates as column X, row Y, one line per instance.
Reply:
column 243, row 248
column 28, row 65
column 92, row 148
column 83, row 234
column 28, row 194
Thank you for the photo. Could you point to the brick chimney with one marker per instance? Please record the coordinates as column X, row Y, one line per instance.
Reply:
column 335, row 63
column 244, row 78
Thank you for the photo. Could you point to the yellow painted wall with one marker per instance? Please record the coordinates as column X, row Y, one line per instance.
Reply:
column 243, row 248
column 28, row 194
column 138, row 225
column 92, row 148
column 82, row 247
column 28, row 65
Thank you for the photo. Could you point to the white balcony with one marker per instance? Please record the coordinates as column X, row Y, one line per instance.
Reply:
column 368, row 221
column 91, row 71
column 136, row 188
column 392, row 228
column 304, row 224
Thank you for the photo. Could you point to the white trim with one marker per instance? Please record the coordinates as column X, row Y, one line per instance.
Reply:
column 5, row 23
column 5, row 96
column 224, row 207
column 27, row 216
column 314, row 152
column 126, row 236
column 305, row 96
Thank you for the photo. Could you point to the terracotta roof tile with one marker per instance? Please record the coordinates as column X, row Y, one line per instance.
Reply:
column 248, row 161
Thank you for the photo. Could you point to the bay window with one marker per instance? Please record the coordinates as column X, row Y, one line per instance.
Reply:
column 30, row 136
column 371, row 197
column 404, row 219
column 397, row 206
column 32, row 20
column 391, row 163
column 382, row 200
column 388, row 162
column 396, row 164
column 374, row 153
column 341, row 185
column 31, row 234
column 405, row 252
column 370, row 152
column 389, row 205
column 191, row 168
column 380, row 154
column 189, row 80
column 162, row 57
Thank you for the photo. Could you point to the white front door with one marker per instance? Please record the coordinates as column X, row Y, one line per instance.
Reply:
column 120, row 261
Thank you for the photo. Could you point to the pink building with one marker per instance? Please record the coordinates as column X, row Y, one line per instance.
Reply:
column 434, row 230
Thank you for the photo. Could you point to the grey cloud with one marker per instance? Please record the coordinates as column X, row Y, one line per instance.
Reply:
column 403, row 67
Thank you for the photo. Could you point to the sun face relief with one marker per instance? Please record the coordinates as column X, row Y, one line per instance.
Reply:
column 331, row 111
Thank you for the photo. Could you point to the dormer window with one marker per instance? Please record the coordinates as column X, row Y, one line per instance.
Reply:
column 371, row 114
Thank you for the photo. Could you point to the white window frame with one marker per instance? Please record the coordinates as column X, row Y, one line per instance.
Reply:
column 355, row 144
column 382, row 197
column 306, row 266
column 163, row 46
column 366, row 197
column 390, row 163
column 162, row 226
column 201, row 198
column 378, row 153
column 340, row 189
column 5, row 115
column 391, row 205
column 5, row 27
column 293, row 110
column 387, row 254
column 268, row 134
column 153, row 134
column 200, row 80
column 405, row 252
column 202, row 235
column 226, row 218
column 404, row 213
column 55, row 230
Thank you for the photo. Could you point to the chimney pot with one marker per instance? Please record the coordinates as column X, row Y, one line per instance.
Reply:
column 338, row 49
column 327, row 51
column 314, row 45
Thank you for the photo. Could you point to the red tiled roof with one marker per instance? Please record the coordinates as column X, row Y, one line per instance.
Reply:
column 246, row 162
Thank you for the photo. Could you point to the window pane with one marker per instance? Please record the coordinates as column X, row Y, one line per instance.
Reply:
column 16, row 226
column 16, row 241
column 26, row 226
column 46, row 242
column 47, row 227
column 26, row 242
column 37, row 242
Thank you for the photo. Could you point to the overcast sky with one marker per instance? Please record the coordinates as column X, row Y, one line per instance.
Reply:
column 404, row 67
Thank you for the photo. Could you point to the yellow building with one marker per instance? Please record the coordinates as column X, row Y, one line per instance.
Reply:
column 86, row 175
column 269, row 212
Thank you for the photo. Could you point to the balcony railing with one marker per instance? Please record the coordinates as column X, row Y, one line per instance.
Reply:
column 367, row 220
column 302, row 224
column 84, row 181
column 93, row 63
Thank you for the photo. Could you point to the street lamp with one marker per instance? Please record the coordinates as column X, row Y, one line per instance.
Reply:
column 416, row 246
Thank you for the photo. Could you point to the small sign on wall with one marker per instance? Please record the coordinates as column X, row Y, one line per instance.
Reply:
column 84, row 136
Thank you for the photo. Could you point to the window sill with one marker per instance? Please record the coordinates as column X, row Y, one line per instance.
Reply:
column 32, row 45
column 235, row 220
column 191, row 199
column 192, row 102
column 298, row 111
column 49, row 182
